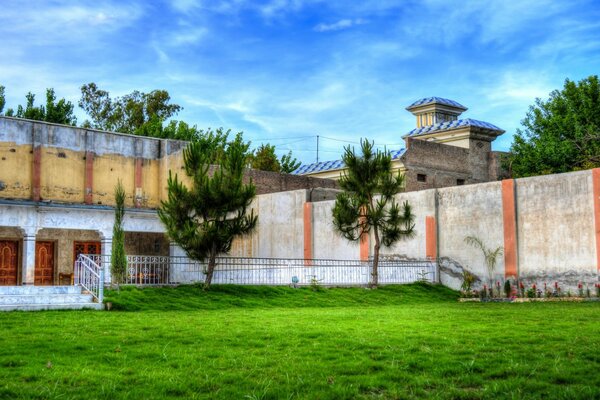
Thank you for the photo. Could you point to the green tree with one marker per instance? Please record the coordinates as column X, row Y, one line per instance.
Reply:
column 288, row 163
column 60, row 112
column 561, row 134
column 2, row 99
column 177, row 130
column 118, row 258
column 367, row 202
column 129, row 113
column 265, row 159
column 205, row 218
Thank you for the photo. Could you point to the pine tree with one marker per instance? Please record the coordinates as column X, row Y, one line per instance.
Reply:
column 118, row 258
column 205, row 218
column 367, row 202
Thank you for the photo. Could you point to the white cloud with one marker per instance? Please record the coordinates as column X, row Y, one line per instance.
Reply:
column 339, row 25
column 187, row 37
column 63, row 22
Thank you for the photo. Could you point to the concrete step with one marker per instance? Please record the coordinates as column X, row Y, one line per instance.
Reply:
column 39, row 290
column 46, row 299
column 40, row 307
column 31, row 298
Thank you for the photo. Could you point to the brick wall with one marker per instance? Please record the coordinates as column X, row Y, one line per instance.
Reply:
column 439, row 164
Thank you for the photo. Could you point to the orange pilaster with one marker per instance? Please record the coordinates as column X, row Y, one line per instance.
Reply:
column 509, row 217
column 430, row 238
column 89, row 178
column 308, row 247
column 596, row 191
column 36, row 173
column 364, row 247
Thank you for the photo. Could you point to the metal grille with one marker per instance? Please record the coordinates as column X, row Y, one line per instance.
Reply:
column 280, row 271
column 147, row 270
column 159, row 270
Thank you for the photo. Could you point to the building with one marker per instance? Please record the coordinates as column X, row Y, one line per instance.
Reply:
column 57, row 196
column 441, row 151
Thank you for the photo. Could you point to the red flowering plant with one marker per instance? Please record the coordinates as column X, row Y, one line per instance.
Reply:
column 597, row 285
column 580, row 289
column 484, row 292
column 521, row 289
column 547, row 292
column 532, row 292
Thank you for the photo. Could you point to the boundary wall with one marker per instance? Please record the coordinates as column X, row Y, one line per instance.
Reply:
column 548, row 227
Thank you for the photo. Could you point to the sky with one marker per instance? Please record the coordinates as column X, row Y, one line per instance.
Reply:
column 287, row 71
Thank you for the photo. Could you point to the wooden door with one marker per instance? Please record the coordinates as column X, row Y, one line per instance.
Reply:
column 8, row 262
column 44, row 263
column 85, row 248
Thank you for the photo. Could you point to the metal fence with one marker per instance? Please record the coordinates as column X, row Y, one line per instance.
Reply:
column 280, row 271
column 160, row 270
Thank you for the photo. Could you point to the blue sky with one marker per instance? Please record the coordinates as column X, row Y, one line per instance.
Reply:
column 285, row 71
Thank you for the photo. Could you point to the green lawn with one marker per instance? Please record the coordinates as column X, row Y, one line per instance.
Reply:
column 412, row 341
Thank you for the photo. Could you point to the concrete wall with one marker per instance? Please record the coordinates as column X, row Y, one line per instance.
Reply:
column 552, row 236
column 41, row 161
column 555, row 228
column 474, row 210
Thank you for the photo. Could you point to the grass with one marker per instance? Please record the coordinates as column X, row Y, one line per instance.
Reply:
column 412, row 341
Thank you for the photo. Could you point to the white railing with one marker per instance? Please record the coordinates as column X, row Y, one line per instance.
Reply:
column 282, row 271
column 90, row 276
column 147, row 270
column 161, row 270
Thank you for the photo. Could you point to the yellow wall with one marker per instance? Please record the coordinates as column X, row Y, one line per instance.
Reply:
column 63, row 166
column 62, row 175
column 108, row 169
column 150, row 183
column 15, row 170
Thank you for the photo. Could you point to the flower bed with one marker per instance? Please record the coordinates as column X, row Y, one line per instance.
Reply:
column 518, row 292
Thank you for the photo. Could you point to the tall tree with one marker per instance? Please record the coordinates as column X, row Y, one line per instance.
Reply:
column 367, row 202
column 118, row 258
column 561, row 134
column 60, row 112
column 288, row 163
column 205, row 218
column 2, row 99
column 265, row 159
column 126, row 114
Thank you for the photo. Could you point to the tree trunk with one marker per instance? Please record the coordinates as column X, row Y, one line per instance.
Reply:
column 375, row 273
column 212, row 262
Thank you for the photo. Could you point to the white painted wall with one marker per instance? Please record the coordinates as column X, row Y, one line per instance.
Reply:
column 471, row 210
column 556, row 233
column 327, row 243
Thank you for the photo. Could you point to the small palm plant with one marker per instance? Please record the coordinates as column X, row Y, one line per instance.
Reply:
column 490, row 256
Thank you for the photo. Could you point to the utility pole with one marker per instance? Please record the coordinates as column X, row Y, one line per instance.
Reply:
column 317, row 148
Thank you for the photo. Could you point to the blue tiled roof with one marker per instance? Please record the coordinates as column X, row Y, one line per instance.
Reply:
column 333, row 165
column 438, row 100
column 459, row 123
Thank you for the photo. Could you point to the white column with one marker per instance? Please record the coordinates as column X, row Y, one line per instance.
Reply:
column 106, row 243
column 28, row 260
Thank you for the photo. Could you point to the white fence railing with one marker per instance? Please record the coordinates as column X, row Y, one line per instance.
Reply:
column 160, row 270
column 89, row 274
